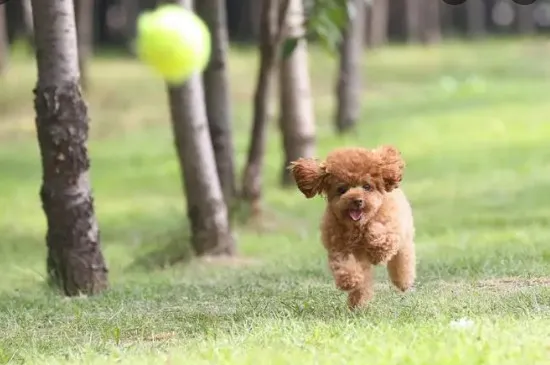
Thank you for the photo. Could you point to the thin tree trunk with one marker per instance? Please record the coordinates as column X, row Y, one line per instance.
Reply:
column 210, row 230
column 206, row 209
column 84, row 10
column 297, row 120
column 75, row 262
column 431, row 15
column 379, row 17
column 4, row 44
column 348, row 87
column 269, row 47
column 413, row 19
column 525, row 19
column 218, row 103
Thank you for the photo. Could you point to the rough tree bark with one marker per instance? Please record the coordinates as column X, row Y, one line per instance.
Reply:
column 377, row 32
column 348, row 86
column 84, row 10
column 75, row 262
column 206, row 209
column 4, row 46
column 216, row 91
column 297, row 120
column 273, row 14
column 475, row 18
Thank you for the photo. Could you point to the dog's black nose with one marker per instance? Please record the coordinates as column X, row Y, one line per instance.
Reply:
column 358, row 203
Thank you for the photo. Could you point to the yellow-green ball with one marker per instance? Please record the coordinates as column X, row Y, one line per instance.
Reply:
column 174, row 41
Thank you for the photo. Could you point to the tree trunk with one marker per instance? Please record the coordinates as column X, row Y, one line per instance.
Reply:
column 297, row 120
column 348, row 87
column 525, row 19
column 4, row 45
column 413, row 18
column 84, row 10
column 252, row 176
column 217, row 97
column 475, row 18
column 378, row 29
column 206, row 209
column 210, row 230
column 431, row 19
column 75, row 262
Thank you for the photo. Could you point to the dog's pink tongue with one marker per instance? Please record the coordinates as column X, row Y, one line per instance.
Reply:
column 355, row 214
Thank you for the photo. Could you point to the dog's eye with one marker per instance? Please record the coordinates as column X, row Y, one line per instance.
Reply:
column 367, row 187
column 342, row 190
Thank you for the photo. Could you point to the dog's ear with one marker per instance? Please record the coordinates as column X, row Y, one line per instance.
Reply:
column 392, row 166
column 308, row 175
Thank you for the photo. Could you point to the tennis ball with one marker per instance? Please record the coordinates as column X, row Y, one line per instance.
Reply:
column 173, row 41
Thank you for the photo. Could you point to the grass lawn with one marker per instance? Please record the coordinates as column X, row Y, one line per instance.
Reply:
column 472, row 123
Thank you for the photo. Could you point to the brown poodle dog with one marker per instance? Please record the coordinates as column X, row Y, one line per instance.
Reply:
column 367, row 220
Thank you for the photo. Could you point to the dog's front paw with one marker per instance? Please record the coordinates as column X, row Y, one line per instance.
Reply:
column 347, row 281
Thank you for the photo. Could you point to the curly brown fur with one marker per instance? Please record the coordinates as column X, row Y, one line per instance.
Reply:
column 368, row 219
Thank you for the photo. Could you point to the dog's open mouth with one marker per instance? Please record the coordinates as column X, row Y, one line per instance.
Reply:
column 355, row 214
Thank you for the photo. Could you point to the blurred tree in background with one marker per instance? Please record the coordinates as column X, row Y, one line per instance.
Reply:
column 4, row 47
column 348, row 86
column 430, row 15
column 377, row 19
column 475, row 14
column 273, row 18
column 296, row 117
column 526, row 19
column 84, row 13
column 217, row 97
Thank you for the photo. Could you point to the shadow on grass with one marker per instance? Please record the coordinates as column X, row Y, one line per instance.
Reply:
column 170, row 249
column 149, row 239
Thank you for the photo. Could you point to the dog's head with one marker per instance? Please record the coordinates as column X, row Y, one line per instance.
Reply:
column 354, row 180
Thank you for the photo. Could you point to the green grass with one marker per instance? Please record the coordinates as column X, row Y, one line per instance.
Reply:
column 472, row 123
